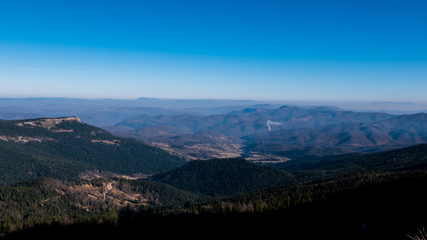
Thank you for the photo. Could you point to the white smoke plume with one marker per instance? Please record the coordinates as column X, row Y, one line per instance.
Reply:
column 271, row 123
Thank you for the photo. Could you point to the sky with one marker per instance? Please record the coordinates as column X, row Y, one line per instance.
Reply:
column 316, row 50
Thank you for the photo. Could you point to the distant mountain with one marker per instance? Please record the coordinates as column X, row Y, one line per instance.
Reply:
column 107, row 112
column 247, row 121
column 224, row 177
column 65, row 147
column 168, row 129
column 396, row 132
column 228, row 128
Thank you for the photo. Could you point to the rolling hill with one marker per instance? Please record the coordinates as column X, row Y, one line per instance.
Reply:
column 224, row 177
column 403, row 159
column 65, row 147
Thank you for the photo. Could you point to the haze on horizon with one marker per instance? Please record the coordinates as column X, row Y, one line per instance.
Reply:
column 373, row 51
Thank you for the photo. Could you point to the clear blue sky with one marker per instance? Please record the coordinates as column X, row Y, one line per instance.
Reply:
column 266, row 50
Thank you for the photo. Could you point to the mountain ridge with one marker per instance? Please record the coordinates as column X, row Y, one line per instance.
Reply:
column 64, row 147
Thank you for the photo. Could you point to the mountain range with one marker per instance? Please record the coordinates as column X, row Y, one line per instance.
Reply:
column 255, row 130
column 275, row 134
column 245, row 122
column 106, row 112
column 395, row 132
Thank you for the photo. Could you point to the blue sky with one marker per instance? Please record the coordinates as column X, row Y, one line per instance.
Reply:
column 262, row 50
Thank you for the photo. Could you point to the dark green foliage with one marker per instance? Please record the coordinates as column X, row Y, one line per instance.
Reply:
column 50, row 201
column 23, row 162
column 389, row 205
column 224, row 177
column 30, row 203
column 160, row 195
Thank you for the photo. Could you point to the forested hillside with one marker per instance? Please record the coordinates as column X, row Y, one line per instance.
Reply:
column 64, row 147
column 99, row 200
column 363, row 206
column 405, row 159
column 220, row 177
